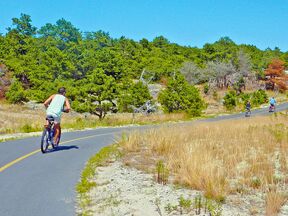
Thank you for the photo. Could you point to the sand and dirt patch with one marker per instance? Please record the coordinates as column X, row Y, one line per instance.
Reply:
column 123, row 190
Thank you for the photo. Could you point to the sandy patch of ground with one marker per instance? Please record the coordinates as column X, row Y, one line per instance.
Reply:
column 123, row 190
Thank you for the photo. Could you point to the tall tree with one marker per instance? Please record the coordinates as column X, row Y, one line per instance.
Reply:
column 97, row 94
column 63, row 31
column 100, row 38
column 275, row 75
column 23, row 25
column 160, row 41
column 223, row 50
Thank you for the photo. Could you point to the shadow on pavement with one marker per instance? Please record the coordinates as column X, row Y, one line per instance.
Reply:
column 61, row 148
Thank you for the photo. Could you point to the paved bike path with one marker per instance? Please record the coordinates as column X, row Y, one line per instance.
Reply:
column 44, row 184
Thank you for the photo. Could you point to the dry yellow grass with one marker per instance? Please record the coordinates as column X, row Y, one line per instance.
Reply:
column 224, row 157
column 19, row 118
column 15, row 118
column 131, row 143
column 274, row 201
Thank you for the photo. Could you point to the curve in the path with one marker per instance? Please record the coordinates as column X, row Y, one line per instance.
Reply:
column 32, row 183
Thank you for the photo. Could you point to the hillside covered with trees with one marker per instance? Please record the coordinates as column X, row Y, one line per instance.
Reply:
column 102, row 73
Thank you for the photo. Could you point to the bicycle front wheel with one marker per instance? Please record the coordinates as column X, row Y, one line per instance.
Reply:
column 45, row 141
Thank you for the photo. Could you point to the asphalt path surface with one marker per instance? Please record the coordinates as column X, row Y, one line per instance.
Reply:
column 32, row 183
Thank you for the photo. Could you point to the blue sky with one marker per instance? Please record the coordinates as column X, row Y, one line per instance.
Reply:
column 263, row 23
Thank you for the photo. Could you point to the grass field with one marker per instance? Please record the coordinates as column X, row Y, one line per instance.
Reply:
column 21, row 119
column 229, row 157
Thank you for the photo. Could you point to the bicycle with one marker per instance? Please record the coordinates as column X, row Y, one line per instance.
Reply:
column 48, row 136
column 272, row 108
column 247, row 112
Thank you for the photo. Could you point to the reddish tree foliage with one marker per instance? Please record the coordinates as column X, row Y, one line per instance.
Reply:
column 275, row 75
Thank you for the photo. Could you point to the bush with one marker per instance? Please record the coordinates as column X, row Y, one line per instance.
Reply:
column 133, row 94
column 16, row 93
column 80, row 107
column 230, row 100
column 245, row 97
column 180, row 96
column 259, row 97
column 27, row 128
column 37, row 95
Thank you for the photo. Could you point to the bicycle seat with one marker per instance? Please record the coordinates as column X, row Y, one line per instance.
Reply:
column 50, row 118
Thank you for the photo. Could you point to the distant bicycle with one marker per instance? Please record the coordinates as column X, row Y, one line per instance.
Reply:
column 248, row 109
column 272, row 108
column 48, row 136
column 248, row 113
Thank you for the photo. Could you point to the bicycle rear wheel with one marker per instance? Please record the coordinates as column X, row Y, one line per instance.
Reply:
column 45, row 141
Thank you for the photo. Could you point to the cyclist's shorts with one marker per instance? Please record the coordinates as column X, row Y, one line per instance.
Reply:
column 57, row 119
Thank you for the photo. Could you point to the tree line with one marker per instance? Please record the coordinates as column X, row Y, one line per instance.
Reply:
column 101, row 72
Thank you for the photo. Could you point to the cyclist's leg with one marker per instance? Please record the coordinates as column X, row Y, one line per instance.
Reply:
column 57, row 131
column 57, row 121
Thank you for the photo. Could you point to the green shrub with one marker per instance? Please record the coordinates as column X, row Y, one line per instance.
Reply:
column 230, row 100
column 259, row 97
column 16, row 93
column 80, row 107
column 255, row 182
column 245, row 97
column 133, row 94
column 185, row 203
column 27, row 128
column 162, row 172
column 37, row 95
column 180, row 96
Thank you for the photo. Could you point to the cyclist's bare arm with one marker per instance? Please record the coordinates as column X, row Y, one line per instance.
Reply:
column 48, row 101
column 67, row 106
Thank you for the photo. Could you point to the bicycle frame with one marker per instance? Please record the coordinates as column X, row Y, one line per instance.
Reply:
column 48, row 136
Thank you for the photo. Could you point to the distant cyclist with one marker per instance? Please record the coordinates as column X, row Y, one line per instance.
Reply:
column 272, row 104
column 248, row 108
column 55, row 105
